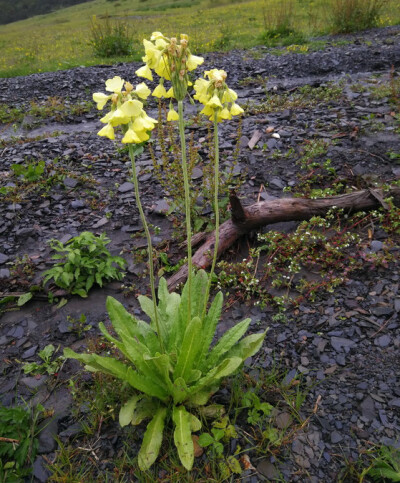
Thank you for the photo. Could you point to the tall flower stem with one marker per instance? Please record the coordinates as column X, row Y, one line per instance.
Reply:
column 187, row 203
column 149, row 244
column 216, row 210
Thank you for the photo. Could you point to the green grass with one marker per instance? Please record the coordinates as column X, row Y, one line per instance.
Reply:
column 60, row 40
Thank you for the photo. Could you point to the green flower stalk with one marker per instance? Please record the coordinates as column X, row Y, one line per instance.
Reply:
column 219, row 104
column 127, row 112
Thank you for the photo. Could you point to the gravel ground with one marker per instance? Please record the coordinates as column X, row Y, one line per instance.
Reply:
column 344, row 346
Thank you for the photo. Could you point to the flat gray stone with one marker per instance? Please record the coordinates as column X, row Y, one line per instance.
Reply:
column 3, row 258
column 125, row 187
column 383, row 340
column 70, row 182
column 340, row 343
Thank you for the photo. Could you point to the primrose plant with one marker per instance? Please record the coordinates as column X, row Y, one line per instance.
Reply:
column 171, row 361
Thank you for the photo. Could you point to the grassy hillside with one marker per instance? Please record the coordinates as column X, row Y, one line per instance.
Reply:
column 13, row 10
column 59, row 40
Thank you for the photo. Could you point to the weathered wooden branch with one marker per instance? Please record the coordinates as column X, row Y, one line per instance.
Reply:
column 263, row 213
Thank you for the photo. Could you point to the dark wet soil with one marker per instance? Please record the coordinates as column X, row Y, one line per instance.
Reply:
column 342, row 346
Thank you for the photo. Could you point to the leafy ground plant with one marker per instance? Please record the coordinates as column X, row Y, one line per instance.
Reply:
column 175, row 370
column 86, row 261
column 18, row 442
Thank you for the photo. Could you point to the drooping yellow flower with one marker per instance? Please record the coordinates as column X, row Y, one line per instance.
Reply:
column 160, row 91
column 126, row 111
column 101, row 99
column 142, row 90
column 214, row 102
column 215, row 95
column 194, row 61
column 145, row 72
column 115, row 84
column 236, row 109
column 107, row 131
column 172, row 115
column 171, row 59
column 131, row 108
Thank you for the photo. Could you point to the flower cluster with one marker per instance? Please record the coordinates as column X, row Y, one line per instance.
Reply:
column 171, row 60
column 216, row 96
column 126, row 111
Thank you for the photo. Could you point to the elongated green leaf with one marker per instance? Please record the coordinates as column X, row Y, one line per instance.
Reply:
column 161, row 365
column 125, row 324
column 24, row 298
column 209, row 326
column 198, row 292
column 116, row 368
column 127, row 410
column 180, row 390
column 189, row 349
column 152, row 440
column 145, row 409
column 225, row 368
column 227, row 341
column 200, row 397
column 183, row 436
column 248, row 346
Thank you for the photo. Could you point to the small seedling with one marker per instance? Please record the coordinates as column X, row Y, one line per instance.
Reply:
column 49, row 365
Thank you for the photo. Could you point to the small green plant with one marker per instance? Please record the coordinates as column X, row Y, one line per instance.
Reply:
column 386, row 465
column 78, row 326
column 354, row 15
column 18, row 442
column 257, row 410
column 50, row 365
column 30, row 171
column 86, row 261
column 110, row 39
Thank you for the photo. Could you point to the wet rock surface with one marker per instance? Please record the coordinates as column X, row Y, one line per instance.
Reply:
column 344, row 346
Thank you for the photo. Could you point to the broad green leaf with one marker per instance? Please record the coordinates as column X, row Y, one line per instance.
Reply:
column 145, row 409
column 214, row 411
column 152, row 440
column 125, row 324
column 195, row 423
column 234, row 465
column 227, row 341
column 180, row 390
column 205, row 440
column 183, row 436
column 147, row 306
column 189, row 349
column 225, row 368
column 199, row 398
column 161, row 365
column 127, row 410
column 248, row 346
column 24, row 298
column 194, row 376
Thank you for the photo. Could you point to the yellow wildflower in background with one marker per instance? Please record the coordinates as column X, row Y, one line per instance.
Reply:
column 216, row 96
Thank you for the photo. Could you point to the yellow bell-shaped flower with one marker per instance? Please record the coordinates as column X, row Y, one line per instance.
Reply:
column 100, row 99
column 115, row 84
column 131, row 108
column 194, row 61
column 142, row 91
column 160, row 91
column 214, row 102
column 119, row 117
column 131, row 137
column 236, row 110
column 145, row 72
column 172, row 115
column 107, row 131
